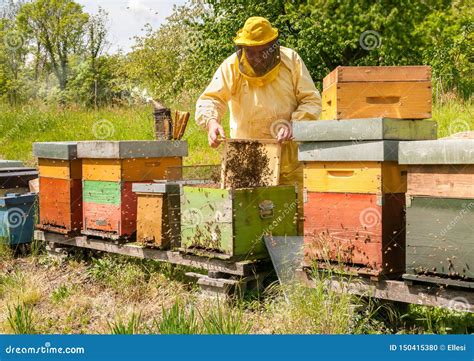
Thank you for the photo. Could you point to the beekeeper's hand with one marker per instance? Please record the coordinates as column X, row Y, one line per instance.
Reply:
column 214, row 131
column 285, row 133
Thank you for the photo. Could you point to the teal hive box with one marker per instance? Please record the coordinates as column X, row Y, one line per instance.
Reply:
column 17, row 218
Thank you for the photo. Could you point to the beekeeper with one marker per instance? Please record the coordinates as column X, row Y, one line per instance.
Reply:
column 266, row 87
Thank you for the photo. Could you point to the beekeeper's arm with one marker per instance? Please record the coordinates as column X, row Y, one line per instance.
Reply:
column 212, row 104
column 307, row 96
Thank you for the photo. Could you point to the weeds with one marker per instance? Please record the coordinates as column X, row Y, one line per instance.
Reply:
column 61, row 293
column 20, row 319
column 177, row 320
column 221, row 320
column 131, row 327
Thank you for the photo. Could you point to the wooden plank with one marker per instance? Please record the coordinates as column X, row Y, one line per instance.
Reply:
column 399, row 291
column 364, row 129
column 440, row 236
column 359, row 229
column 151, row 225
column 355, row 177
column 377, row 74
column 448, row 181
column 60, row 168
column 400, row 100
column 242, row 268
column 441, row 151
column 348, row 151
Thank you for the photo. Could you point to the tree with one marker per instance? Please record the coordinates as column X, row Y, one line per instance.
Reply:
column 57, row 26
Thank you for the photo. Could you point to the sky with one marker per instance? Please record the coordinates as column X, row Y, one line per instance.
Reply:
column 128, row 17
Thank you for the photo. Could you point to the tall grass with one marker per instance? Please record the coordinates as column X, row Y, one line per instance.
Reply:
column 132, row 326
column 177, row 320
column 20, row 319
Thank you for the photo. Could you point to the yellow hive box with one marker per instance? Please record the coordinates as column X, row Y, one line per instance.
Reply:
column 131, row 170
column 355, row 177
column 60, row 168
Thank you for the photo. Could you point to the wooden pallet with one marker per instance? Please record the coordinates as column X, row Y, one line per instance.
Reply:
column 399, row 291
column 222, row 275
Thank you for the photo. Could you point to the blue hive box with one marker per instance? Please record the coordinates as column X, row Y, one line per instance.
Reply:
column 17, row 218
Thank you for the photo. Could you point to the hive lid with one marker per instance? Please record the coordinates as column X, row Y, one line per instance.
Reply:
column 10, row 164
column 376, row 151
column 441, row 151
column 162, row 187
column 364, row 129
column 55, row 150
column 17, row 199
column 132, row 149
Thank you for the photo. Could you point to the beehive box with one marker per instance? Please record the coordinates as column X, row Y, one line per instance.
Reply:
column 440, row 207
column 352, row 167
column 230, row 223
column 402, row 92
column 354, row 205
column 362, row 230
column 17, row 218
column 158, row 214
column 109, row 168
column 60, row 198
column 250, row 163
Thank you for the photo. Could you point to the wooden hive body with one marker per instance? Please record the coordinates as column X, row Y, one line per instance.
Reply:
column 402, row 92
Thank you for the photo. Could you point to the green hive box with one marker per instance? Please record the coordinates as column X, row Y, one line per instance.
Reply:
column 230, row 223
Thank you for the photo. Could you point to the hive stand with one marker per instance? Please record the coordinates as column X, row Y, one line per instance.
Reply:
column 438, row 295
column 224, row 278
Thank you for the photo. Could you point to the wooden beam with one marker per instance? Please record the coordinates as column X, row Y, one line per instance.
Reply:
column 399, row 291
column 241, row 268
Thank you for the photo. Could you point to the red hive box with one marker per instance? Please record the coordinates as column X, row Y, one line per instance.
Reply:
column 362, row 230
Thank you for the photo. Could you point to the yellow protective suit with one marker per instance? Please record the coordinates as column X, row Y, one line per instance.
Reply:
column 256, row 112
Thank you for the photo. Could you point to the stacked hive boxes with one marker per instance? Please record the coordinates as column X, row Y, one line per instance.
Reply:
column 354, row 186
column 109, row 169
column 60, row 187
column 229, row 220
column 440, row 208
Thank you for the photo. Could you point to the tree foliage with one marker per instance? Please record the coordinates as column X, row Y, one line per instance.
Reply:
column 53, row 50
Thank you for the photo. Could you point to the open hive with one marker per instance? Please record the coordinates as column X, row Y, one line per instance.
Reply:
column 227, row 219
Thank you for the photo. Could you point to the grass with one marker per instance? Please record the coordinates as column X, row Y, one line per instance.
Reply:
column 21, row 126
column 20, row 318
column 115, row 294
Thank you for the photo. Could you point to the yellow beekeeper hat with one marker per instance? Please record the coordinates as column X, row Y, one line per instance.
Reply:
column 256, row 31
